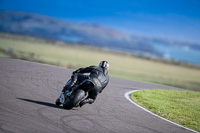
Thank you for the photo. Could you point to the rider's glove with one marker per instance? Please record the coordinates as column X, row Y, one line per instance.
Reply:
column 74, row 72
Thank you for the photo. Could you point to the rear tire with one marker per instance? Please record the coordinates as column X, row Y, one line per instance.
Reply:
column 75, row 100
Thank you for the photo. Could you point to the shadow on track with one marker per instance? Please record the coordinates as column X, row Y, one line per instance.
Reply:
column 41, row 103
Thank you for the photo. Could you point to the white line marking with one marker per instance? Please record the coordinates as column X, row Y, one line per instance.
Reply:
column 130, row 100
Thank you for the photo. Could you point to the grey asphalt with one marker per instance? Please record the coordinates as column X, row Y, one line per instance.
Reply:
column 28, row 91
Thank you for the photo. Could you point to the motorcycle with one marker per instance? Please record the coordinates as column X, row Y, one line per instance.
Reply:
column 73, row 97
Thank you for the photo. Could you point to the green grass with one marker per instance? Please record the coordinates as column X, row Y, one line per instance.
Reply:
column 182, row 107
column 4, row 55
column 121, row 65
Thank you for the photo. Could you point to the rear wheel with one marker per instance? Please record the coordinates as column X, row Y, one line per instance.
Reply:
column 74, row 100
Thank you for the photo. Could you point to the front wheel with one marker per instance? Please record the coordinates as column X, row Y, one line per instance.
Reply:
column 58, row 102
column 75, row 100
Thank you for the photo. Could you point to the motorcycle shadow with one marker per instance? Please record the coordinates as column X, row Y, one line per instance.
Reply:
column 41, row 103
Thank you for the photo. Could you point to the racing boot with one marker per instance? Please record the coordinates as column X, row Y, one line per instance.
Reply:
column 88, row 100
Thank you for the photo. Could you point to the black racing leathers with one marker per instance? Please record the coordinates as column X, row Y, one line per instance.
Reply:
column 99, row 77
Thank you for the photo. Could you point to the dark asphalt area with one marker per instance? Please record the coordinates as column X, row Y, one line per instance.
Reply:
column 28, row 92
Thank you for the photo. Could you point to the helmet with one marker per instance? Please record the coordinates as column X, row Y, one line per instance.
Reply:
column 104, row 64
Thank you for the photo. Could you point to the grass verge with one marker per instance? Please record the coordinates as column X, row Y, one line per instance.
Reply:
column 182, row 107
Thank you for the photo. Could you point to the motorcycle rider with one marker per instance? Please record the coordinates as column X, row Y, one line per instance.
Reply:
column 97, row 74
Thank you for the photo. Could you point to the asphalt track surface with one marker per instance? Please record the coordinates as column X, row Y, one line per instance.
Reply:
column 28, row 91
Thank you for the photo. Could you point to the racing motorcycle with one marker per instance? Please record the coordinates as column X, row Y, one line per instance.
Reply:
column 73, row 97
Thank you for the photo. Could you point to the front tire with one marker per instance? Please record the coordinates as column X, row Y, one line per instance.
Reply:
column 58, row 102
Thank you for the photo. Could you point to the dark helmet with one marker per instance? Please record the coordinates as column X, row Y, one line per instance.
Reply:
column 104, row 64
